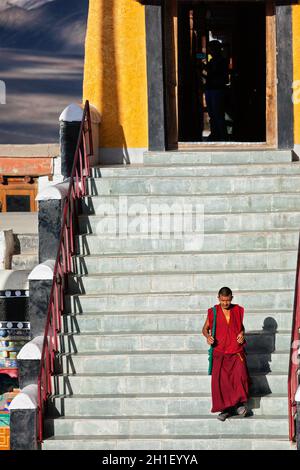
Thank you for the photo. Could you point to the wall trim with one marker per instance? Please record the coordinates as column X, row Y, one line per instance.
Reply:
column 285, row 107
column 155, row 77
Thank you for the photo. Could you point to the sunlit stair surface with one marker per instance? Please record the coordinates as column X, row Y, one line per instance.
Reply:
column 132, row 367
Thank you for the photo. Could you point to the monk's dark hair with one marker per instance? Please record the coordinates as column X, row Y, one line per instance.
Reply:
column 225, row 291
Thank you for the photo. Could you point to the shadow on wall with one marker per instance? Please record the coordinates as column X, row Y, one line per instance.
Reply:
column 57, row 27
column 260, row 345
column 42, row 54
column 111, row 127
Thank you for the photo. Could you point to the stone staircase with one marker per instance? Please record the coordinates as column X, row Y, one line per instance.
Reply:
column 26, row 251
column 132, row 373
column 25, row 239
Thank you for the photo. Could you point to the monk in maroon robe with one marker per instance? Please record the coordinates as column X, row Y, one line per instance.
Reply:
column 230, row 377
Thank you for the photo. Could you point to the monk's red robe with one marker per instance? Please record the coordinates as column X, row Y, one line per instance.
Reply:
column 230, row 377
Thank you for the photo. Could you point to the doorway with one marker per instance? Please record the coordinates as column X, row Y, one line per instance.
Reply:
column 247, row 36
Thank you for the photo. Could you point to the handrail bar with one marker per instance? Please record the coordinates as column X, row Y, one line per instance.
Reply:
column 293, row 381
column 63, row 264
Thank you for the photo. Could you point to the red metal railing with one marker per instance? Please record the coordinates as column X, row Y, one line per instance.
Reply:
column 294, row 365
column 63, row 265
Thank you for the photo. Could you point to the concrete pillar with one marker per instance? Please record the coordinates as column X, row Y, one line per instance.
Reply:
column 284, row 63
column 296, row 71
column 40, row 284
column 29, row 360
column 23, row 420
column 49, row 219
column 155, row 77
column 70, row 121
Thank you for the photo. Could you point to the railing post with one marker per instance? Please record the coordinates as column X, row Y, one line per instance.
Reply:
column 29, row 361
column 23, row 420
column 70, row 122
column 40, row 284
column 51, row 201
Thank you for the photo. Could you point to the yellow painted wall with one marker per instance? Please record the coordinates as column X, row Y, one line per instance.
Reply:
column 115, row 79
column 296, row 60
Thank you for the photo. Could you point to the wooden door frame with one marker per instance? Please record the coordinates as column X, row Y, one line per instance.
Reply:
column 161, row 116
column 271, row 76
column 171, row 72
column 271, row 88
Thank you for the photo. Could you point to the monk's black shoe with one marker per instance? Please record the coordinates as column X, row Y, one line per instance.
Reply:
column 242, row 411
column 224, row 415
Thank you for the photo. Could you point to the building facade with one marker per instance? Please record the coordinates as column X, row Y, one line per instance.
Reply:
column 143, row 72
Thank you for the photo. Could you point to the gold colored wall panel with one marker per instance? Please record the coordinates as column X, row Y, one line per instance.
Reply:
column 115, row 78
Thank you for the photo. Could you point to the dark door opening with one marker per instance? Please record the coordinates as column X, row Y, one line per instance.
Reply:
column 240, row 28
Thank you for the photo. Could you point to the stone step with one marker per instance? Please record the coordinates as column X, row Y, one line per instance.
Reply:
column 219, row 442
column 111, row 384
column 270, row 321
column 24, row 261
column 163, row 427
column 212, row 204
column 26, row 243
column 195, row 185
column 161, row 362
column 204, row 243
column 278, row 299
column 135, row 363
column 228, row 157
column 253, row 169
column 211, row 223
column 146, row 334
column 95, row 405
column 174, row 262
column 179, row 282
column 93, row 342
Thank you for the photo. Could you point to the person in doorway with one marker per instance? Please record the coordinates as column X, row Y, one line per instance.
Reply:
column 217, row 76
column 230, row 377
